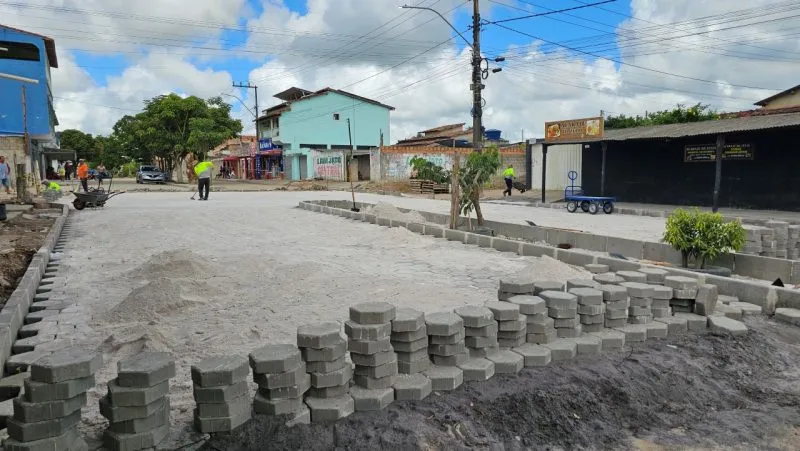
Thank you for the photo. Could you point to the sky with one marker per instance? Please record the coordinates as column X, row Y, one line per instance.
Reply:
column 618, row 57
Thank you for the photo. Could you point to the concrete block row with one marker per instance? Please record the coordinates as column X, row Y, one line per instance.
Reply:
column 221, row 393
column 324, row 349
column 376, row 365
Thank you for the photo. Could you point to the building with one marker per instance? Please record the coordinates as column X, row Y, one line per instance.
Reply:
column 30, row 56
column 451, row 135
column 238, row 155
column 310, row 134
column 785, row 99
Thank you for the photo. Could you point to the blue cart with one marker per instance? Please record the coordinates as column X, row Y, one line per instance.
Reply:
column 575, row 197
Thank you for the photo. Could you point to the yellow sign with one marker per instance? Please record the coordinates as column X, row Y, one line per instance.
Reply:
column 574, row 130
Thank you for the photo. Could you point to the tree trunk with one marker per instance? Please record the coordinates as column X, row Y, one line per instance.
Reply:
column 454, row 194
column 476, row 202
column 684, row 259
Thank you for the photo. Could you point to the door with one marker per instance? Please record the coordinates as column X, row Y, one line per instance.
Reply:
column 303, row 167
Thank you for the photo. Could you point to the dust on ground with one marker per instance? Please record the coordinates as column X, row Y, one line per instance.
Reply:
column 389, row 211
column 692, row 392
column 20, row 238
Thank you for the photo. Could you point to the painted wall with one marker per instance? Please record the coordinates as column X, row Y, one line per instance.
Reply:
column 788, row 100
column 38, row 96
column 560, row 160
column 329, row 165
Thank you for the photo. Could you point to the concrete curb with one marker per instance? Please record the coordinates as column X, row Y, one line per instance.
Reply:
column 766, row 296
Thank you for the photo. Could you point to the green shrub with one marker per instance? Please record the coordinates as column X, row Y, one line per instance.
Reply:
column 477, row 172
column 702, row 236
column 427, row 170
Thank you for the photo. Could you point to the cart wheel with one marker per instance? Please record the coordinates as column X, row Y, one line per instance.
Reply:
column 608, row 208
column 572, row 207
column 78, row 204
column 585, row 206
column 593, row 208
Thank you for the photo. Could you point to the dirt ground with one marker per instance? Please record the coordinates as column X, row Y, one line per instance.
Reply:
column 694, row 392
column 20, row 238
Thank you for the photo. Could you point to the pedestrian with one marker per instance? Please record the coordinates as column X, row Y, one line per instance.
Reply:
column 203, row 170
column 62, row 173
column 508, row 175
column 5, row 172
column 83, row 174
column 101, row 172
column 68, row 169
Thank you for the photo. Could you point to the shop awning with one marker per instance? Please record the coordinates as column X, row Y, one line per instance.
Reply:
column 230, row 159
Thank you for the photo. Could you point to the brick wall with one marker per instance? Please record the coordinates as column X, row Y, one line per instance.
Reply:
column 13, row 148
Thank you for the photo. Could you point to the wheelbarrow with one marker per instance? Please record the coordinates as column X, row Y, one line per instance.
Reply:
column 95, row 198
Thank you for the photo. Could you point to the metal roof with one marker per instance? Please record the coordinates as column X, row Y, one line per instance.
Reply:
column 49, row 44
column 704, row 128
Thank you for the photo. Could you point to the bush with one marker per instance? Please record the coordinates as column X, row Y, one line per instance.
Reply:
column 702, row 236
column 426, row 170
column 478, row 171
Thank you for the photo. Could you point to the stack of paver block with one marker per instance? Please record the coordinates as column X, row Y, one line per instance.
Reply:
column 781, row 234
column 410, row 342
column 547, row 285
column 512, row 326
column 369, row 331
column 46, row 416
column 283, row 380
column 662, row 295
column 447, row 350
column 633, row 276
column 591, row 309
column 596, row 268
column 514, row 285
column 324, row 348
column 793, row 245
column 480, row 331
column 582, row 283
column 684, row 293
column 563, row 308
column 655, row 276
column 640, row 300
column 753, row 240
column 540, row 327
column 217, row 382
column 769, row 247
column 608, row 278
column 616, row 301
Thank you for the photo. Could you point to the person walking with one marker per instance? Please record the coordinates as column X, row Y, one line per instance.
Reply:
column 203, row 170
column 5, row 172
column 508, row 175
column 68, row 169
column 101, row 173
column 62, row 173
column 83, row 174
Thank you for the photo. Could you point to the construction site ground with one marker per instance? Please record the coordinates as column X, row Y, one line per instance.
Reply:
column 21, row 235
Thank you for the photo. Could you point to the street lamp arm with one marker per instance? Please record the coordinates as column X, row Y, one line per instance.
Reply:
column 242, row 102
column 443, row 18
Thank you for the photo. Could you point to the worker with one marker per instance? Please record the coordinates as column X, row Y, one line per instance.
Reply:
column 50, row 185
column 508, row 175
column 83, row 174
column 203, row 170
column 62, row 173
column 5, row 172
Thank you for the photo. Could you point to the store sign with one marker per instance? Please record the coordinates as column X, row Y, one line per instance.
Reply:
column 572, row 130
column 265, row 144
column 699, row 153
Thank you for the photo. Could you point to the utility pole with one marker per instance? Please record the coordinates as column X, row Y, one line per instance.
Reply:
column 254, row 88
column 21, row 175
column 477, row 86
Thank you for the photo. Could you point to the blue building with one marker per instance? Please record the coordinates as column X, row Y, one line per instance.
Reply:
column 28, row 55
column 307, row 135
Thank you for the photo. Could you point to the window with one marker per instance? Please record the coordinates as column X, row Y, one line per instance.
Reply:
column 335, row 116
column 19, row 51
column 365, row 147
column 314, row 146
column 340, row 147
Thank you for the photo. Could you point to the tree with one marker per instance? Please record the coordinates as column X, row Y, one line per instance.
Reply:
column 82, row 143
column 680, row 114
column 478, row 171
column 427, row 170
column 702, row 236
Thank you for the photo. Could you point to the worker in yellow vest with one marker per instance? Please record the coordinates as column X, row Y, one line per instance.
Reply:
column 508, row 176
column 51, row 186
column 203, row 170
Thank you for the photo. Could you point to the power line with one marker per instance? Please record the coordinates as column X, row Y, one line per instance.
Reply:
column 587, row 5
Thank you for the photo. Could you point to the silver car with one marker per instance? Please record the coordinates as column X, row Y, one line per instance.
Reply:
column 150, row 174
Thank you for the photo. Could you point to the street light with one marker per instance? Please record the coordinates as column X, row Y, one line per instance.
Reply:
column 443, row 18
column 242, row 102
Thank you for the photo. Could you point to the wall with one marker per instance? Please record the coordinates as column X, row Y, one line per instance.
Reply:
column 37, row 95
column 560, row 160
column 785, row 101
column 394, row 160
column 328, row 165
column 654, row 172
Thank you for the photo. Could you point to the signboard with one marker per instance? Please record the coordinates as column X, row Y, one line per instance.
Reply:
column 265, row 144
column 699, row 153
column 573, row 130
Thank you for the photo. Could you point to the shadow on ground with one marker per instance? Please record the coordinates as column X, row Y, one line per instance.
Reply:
column 698, row 391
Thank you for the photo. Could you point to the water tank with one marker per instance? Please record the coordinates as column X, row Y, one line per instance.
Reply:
column 493, row 134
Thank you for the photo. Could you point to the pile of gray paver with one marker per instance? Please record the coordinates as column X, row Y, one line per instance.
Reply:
column 280, row 372
column 369, row 333
column 46, row 416
column 616, row 301
column 754, row 239
column 446, row 349
column 684, row 293
column 591, row 309
column 221, row 393
column 640, row 301
column 480, row 331
column 563, row 308
column 512, row 326
column 137, row 404
column 410, row 342
column 329, row 398
column 540, row 328
column 780, row 231
column 793, row 245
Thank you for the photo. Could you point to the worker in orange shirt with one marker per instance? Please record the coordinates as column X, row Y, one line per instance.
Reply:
column 83, row 174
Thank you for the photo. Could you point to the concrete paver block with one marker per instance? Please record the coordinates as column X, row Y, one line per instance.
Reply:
column 516, row 325
column 569, row 332
column 608, row 278
column 220, row 370
column 518, row 283
column 689, row 294
column 529, row 305
column 303, row 416
column 372, row 313
column 634, row 333
column 563, row 313
column 662, row 292
column 540, row 325
column 281, row 380
column 365, row 400
column 326, row 367
column 640, row 319
column 372, row 383
column 746, row 308
column 475, row 315
column 547, row 337
column 357, row 331
column 129, row 442
column 32, row 412
column 277, row 358
column 450, row 360
column 477, row 369
column 409, row 347
column 587, row 295
column 562, row 349
column 339, row 377
column 559, row 300
column 591, row 310
column 369, row 346
column 506, row 361
column 486, row 331
column 588, row 328
column 44, row 392
column 680, row 282
column 227, row 423
column 66, row 441
column 138, row 425
column 675, row 325
column 611, row 339
column 407, row 320
column 638, row 290
column 588, row 344
column 413, row 366
column 126, row 396
column 28, row 432
column 481, row 353
column 413, row 335
column 266, row 406
column 443, row 323
column 115, row 414
column 706, row 300
column 582, row 283
column 67, row 364
column 788, row 315
column 633, row 276
column 616, row 322
column 319, row 335
column 446, row 350
column 457, row 337
column 503, row 311
column 654, row 275
column 538, row 287
column 534, row 355
column 444, row 378
column 614, row 293
column 662, row 312
column 657, row 330
column 727, row 299
column 634, row 310
column 377, row 372
column 294, row 391
column 596, row 268
column 695, row 323
column 329, row 392
column 28, row 344
column 412, row 356
column 720, row 325
column 145, row 369
column 325, row 354
column 412, row 387
column 326, row 410
column 378, row 359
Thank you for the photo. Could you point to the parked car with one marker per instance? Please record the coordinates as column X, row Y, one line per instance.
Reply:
column 150, row 174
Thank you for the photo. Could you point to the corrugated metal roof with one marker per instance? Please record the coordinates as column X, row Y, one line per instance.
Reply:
column 698, row 128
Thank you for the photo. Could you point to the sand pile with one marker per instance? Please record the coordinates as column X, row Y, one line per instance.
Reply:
column 179, row 263
column 161, row 297
column 389, row 211
column 548, row 268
